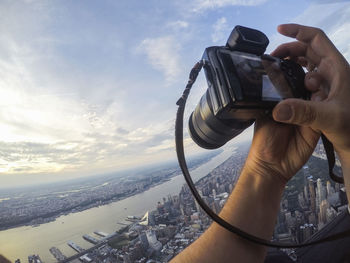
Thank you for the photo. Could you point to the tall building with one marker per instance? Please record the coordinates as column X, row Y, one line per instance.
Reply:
column 312, row 195
column 323, row 211
column 331, row 214
column 305, row 232
column 301, row 200
column 293, row 202
column 152, row 240
column 144, row 240
column 330, row 189
column 306, row 194
column 321, row 191
column 214, row 193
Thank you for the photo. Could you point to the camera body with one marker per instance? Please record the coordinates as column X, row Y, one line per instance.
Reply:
column 243, row 84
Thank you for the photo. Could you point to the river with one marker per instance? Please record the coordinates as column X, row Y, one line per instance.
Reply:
column 26, row 240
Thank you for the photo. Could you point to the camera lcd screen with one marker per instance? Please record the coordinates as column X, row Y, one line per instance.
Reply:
column 269, row 92
column 259, row 78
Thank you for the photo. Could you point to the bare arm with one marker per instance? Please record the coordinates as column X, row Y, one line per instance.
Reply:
column 278, row 151
column 254, row 202
column 252, row 207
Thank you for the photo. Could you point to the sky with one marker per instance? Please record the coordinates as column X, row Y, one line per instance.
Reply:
column 89, row 87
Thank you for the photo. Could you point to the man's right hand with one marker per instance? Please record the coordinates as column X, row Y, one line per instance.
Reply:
column 329, row 81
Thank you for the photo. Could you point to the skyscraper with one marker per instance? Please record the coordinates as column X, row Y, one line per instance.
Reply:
column 321, row 191
column 152, row 240
column 323, row 212
column 330, row 189
column 312, row 195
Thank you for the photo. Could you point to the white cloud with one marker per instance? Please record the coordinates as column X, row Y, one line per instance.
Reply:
column 179, row 24
column 63, row 115
column 335, row 23
column 200, row 5
column 164, row 145
column 54, row 119
column 162, row 54
column 220, row 27
column 341, row 39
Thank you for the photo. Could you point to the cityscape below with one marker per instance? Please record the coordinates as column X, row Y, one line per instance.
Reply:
column 309, row 203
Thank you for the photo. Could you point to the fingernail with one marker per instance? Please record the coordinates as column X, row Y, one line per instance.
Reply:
column 283, row 112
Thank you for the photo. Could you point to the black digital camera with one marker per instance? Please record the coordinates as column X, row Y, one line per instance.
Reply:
column 243, row 84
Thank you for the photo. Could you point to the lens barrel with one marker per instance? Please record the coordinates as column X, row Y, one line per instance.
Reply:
column 210, row 132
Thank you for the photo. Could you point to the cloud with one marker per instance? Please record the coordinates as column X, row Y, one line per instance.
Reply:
column 200, row 6
column 121, row 130
column 168, row 144
column 162, row 54
column 56, row 119
column 94, row 152
column 220, row 27
column 340, row 38
column 335, row 23
column 179, row 24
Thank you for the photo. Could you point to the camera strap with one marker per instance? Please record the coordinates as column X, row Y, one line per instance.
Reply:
column 329, row 149
column 216, row 218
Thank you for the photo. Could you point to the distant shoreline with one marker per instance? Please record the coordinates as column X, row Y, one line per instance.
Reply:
column 51, row 217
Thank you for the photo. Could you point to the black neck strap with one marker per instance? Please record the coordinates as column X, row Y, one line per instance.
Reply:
column 329, row 149
column 216, row 218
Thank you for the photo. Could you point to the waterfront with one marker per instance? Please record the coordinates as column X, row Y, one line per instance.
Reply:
column 23, row 241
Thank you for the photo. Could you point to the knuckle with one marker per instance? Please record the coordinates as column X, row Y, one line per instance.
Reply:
column 320, row 35
column 319, row 32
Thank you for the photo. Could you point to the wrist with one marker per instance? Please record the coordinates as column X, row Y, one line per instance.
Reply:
column 256, row 197
column 266, row 172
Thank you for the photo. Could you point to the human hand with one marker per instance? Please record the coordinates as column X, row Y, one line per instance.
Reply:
column 279, row 150
column 328, row 111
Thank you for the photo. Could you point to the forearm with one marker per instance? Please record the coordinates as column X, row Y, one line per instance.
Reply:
column 252, row 206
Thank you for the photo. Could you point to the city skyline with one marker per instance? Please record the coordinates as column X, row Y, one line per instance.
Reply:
column 91, row 88
column 310, row 203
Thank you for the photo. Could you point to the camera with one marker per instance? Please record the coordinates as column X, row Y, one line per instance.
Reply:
column 243, row 84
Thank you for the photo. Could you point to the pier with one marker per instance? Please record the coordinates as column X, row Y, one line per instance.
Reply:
column 57, row 254
column 91, row 239
column 101, row 234
column 75, row 246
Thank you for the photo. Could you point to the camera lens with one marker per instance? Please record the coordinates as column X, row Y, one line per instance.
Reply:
column 209, row 131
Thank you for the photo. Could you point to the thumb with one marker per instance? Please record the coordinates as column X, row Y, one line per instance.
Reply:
column 301, row 112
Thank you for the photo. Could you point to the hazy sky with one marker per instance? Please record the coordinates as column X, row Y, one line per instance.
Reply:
column 89, row 87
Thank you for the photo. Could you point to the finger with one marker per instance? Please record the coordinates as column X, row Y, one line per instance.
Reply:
column 318, row 81
column 296, row 49
column 291, row 49
column 301, row 112
column 313, row 81
column 314, row 37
